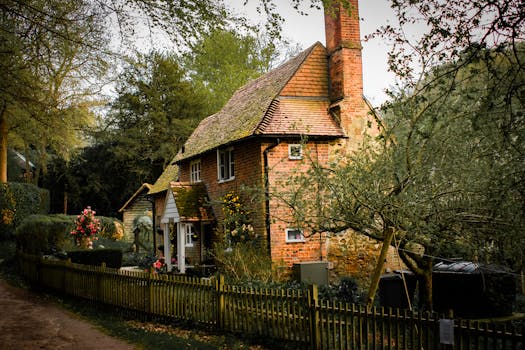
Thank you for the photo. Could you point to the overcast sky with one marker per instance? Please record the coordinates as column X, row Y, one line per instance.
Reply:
column 306, row 30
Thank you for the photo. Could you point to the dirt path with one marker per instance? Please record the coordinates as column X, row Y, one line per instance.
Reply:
column 29, row 321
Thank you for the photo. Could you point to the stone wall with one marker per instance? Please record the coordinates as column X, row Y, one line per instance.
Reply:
column 355, row 255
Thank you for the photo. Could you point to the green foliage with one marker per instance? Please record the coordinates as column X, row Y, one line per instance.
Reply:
column 18, row 201
column 224, row 60
column 245, row 262
column 50, row 234
column 95, row 257
column 45, row 234
column 346, row 291
column 236, row 222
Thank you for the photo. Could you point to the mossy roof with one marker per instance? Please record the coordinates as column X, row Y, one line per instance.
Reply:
column 192, row 201
column 242, row 115
column 163, row 182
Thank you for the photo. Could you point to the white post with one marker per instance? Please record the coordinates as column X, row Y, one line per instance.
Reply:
column 181, row 247
column 167, row 246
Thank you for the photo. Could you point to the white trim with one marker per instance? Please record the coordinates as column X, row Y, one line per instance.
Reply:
column 293, row 240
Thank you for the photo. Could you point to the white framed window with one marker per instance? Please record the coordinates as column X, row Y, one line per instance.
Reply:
column 195, row 171
column 225, row 164
column 294, row 235
column 189, row 231
column 295, row 151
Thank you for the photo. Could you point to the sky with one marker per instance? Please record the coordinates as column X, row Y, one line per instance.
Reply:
column 306, row 30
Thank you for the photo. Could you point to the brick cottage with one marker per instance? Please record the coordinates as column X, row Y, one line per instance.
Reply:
column 256, row 141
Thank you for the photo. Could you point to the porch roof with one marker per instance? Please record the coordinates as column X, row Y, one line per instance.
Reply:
column 192, row 201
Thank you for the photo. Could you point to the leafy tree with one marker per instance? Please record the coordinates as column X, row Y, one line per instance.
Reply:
column 156, row 110
column 46, row 76
column 448, row 182
column 223, row 61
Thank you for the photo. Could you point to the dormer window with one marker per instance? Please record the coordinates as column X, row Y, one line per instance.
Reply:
column 225, row 164
column 195, row 171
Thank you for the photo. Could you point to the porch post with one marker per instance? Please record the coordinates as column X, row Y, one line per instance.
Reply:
column 167, row 246
column 181, row 247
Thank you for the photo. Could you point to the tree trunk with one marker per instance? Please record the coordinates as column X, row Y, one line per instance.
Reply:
column 422, row 267
column 3, row 146
column 424, row 278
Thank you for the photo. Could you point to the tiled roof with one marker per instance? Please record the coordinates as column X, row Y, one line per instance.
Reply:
column 292, row 116
column 245, row 111
column 163, row 182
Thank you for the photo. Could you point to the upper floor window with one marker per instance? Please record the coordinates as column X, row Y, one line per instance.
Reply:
column 225, row 164
column 295, row 151
column 195, row 171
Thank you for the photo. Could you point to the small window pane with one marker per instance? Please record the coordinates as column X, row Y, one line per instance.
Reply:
column 294, row 235
column 295, row 152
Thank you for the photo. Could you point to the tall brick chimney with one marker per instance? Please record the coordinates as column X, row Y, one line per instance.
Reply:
column 343, row 44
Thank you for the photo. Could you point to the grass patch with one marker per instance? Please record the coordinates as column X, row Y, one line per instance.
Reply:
column 153, row 335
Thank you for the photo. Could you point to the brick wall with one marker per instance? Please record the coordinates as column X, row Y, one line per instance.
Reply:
column 248, row 173
column 314, row 247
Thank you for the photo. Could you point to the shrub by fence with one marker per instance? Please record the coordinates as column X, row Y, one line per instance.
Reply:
column 110, row 257
column 288, row 315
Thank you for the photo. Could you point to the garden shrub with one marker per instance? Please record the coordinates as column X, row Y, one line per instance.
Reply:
column 244, row 262
column 346, row 291
column 17, row 202
column 95, row 257
column 45, row 234
column 50, row 234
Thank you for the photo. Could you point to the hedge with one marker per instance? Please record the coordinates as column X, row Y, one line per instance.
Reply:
column 111, row 257
column 50, row 234
column 17, row 202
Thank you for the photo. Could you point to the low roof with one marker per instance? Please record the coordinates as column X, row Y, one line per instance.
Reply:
column 144, row 187
column 192, row 201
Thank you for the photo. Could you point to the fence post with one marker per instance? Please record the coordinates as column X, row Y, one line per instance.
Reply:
column 219, row 289
column 101, row 275
column 313, row 304
column 150, row 293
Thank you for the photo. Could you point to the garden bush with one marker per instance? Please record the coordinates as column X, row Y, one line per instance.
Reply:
column 17, row 202
column 245, row 262
column 95, row 257
column 45, row 234
column 50, row 234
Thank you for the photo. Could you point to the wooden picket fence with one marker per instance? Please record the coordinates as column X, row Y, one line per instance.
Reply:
column 296, row 317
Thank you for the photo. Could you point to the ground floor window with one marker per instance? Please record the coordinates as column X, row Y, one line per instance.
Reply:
column 294, row 235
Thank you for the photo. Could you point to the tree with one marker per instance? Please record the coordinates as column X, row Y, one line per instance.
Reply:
column 449, row 182
column 156, row 110
column 224, row 60
column 47, row 77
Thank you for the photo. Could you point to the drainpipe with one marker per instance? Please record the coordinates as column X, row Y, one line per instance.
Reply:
column 267, row 193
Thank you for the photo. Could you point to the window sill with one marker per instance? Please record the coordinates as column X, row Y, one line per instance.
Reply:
column 226, row 180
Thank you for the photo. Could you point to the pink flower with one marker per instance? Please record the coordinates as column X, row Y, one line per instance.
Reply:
column 157, row 264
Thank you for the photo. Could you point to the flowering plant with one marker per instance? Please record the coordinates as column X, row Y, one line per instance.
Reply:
column 236, row 220
column 86, row 226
